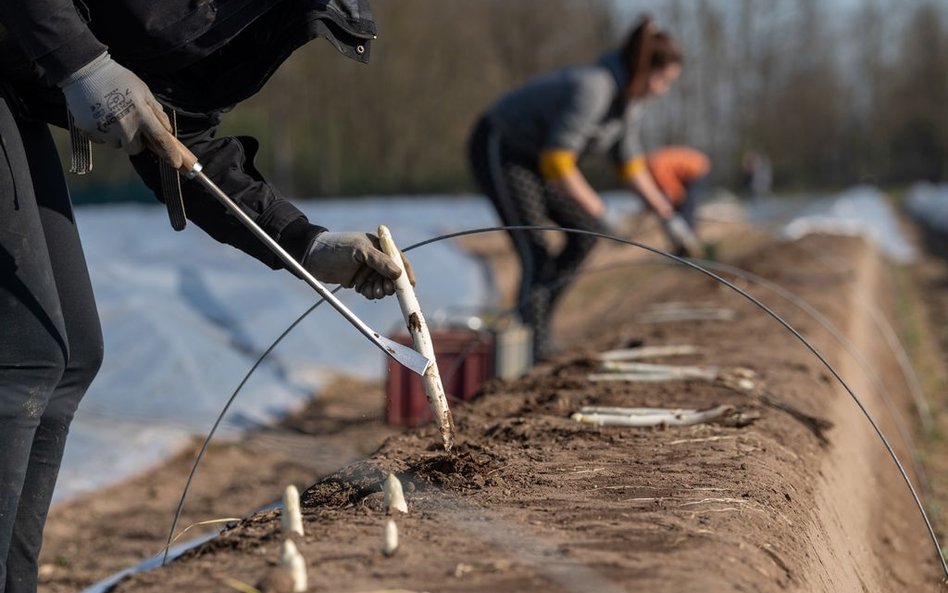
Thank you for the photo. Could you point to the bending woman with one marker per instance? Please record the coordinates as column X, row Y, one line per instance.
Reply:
column 525, row 150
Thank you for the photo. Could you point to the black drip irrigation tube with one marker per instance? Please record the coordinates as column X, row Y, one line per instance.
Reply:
column 694, row 266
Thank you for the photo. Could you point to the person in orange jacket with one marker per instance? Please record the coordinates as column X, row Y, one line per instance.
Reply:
column 683, row 175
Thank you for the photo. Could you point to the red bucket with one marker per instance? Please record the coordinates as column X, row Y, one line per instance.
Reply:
column 466, row 361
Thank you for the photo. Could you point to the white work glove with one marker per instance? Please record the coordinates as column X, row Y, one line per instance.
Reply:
column 609, row 224
column 683, row 236
column 354, row 260
column 113, row 106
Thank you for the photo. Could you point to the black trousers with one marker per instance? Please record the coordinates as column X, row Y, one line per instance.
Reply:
column 696, row 192
column 522, row 197
column 50, row 338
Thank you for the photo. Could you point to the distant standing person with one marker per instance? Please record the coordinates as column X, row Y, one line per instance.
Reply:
column 758, row 175
column 683, row 174
column 525, row 149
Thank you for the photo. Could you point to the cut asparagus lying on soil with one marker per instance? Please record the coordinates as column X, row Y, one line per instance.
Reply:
column 746, row 381
column 613, row 370
column 632, row 377
column 291, row 520
column 394, row 496
column 672, row 315
column 737, row 378
column 627, row 354
column 673, row 372
column 291, row 558
column 645, row 412
column 638, row 417
column 421, row 339
column 390, row 541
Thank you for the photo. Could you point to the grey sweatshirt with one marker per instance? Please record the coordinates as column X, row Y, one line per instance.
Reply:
column 580, row 109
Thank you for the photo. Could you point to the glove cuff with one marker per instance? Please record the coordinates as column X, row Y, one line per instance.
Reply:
column 298, row 238
column 88, row 70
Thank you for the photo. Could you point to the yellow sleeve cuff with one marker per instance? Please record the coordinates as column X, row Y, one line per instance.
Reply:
column 631, row 168
column 557, row 164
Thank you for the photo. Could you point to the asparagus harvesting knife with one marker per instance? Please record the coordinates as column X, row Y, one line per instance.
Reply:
column 192, row 169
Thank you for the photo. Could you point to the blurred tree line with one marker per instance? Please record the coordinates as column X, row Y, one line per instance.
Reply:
column 833, row 94
column 400, row 124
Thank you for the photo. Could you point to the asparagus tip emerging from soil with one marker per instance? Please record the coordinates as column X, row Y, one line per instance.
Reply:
column 291, row 520
column 291, row 558
column 394, row 497
column 390, row 543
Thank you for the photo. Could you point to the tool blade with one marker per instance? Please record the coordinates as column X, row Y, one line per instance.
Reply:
column 404, row 355
column 399, row 352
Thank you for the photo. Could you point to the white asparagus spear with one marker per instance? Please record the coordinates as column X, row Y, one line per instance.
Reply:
column 394, row 496
column 680, row 372
column 390, row 541
column 632, row 377
column 670, row 418
column 291, row 557
column 421, row 339
column 646, row 352
column 676, row 315
column 290, row 519
column 616, row 411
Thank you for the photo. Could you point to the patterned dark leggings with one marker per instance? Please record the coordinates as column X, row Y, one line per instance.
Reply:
column 521, row 197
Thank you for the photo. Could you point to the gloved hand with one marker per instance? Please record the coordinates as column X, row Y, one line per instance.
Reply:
column 680, row 232
column 607, row 224
column 113, row 106
column 354, row 260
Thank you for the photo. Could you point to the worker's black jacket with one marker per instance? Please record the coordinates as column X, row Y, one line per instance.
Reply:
column 199, row 57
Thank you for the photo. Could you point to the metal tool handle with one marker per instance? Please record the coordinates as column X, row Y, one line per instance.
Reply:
column 191, row 168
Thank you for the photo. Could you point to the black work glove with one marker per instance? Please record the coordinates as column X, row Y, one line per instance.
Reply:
column 354, row 260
